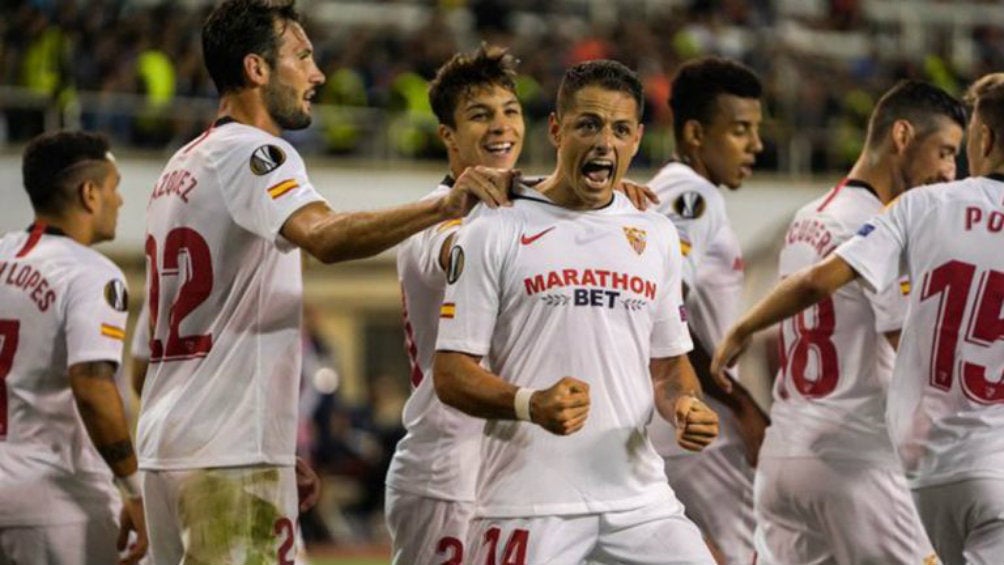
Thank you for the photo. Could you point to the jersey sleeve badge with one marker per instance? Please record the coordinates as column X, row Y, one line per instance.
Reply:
column 637, row 237
column 266, row 159
column 456, row 264
column 689, row 205
column 116, row 295
column 282, row 188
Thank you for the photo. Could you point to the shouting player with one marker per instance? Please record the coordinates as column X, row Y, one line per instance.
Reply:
column 716, row 122
column 574, row 298
column 224, row 224
column 829, row 441
column 62, row 328
column 945, row 406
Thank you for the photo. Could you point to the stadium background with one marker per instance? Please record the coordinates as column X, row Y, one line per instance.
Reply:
column 132, row 68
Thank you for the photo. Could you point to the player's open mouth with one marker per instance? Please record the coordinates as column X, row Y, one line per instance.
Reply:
column 500, row 148
column 598, row 172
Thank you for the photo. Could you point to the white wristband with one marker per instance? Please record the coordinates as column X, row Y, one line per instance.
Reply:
column 130, row 485
column 521, row 403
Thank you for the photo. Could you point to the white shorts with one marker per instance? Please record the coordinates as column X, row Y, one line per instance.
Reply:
column 828, row 512
column 657, row 534
column 716, row 488
column 426, row 530
column 232, row 515
column 965, row 520
column 83, row 543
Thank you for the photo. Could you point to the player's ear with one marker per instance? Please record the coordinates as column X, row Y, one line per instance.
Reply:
column 88, row 195
column 256, row 69
column 554, row 129
column 901, row 134
column 988, row 141
column 446, row 134
column 693, row 133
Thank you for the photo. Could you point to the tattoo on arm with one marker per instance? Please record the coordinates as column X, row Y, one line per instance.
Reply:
column 115, row 452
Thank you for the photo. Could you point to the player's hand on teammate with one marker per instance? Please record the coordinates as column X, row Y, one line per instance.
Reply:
column 561, row 409
column 696, row 423
column 639, row 195
column 308, row 485
column 726, row 354
column 479, row 184
column 131, row 519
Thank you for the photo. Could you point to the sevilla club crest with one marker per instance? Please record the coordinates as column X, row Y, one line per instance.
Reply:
column 637, row 238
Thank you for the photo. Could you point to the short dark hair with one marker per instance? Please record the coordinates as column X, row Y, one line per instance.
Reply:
column 239, row 27
column 989, row 110
column 698, row 84
column 917, row 102
column 604, row 73
column 465, row 72
column 54, row 161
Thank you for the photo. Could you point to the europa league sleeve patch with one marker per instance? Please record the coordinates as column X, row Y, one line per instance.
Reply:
column 266, row 159
column 689, row 205
column 116, row 295
column 456, row 264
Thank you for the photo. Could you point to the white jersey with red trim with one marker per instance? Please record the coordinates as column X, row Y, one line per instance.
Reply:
column 225, row 294
column 830, row 394
column 434, row 458
column 544, row 292
column 713, row 272
column 61, row 304
column 946, row 400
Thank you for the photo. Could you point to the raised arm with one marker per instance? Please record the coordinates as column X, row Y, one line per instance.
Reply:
column 792, row 295
column 341, row 236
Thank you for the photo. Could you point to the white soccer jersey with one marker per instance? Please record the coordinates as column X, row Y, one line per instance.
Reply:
column 61, row 304
column 713, row 272
column 545, row 292
column 829, row 398
column 435, row 456
column 946, row 402
column 225, row 293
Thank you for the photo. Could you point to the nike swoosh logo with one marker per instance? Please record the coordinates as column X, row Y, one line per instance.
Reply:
column 528, row 240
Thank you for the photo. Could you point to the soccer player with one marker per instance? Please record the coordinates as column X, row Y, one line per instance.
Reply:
column 945, row 411
column 63, row 431
column 224, row 223
column 430, row 483
column 828, row 440
column 574, row 297
column 716, row 121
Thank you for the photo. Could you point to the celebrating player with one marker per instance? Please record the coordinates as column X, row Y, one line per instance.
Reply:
column 944, row 402
column 62, row 327
column 716, row 121
column 217, row 424
column 430, row 483
column 828, row 441
column 576, row 293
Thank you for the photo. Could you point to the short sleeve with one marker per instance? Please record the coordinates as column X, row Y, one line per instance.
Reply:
column 423, row 251
column 263, row 183
column 889, row 306
column 474, row 280
column 698, row 219
column 95, row 312
column 876, row 251
column 670, row 334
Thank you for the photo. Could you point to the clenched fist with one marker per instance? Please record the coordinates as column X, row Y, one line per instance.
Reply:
column 696, row 424
column 561, row 409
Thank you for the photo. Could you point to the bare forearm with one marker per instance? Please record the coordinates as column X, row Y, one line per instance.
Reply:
column 332, row 237
column 101, row 410
column 672, row 377
column 463, row 384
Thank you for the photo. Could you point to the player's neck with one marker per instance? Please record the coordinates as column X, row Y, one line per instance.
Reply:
column 878, row 173
column 246, row 107
column 71, row 227
column 694, row 163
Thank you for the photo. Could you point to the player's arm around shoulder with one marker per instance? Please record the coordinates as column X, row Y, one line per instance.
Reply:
column 677, row 394
column 332, row 236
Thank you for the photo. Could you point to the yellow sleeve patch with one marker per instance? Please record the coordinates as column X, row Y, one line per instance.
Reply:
column 113, row 332
column 282, row 188
column 448, row 310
